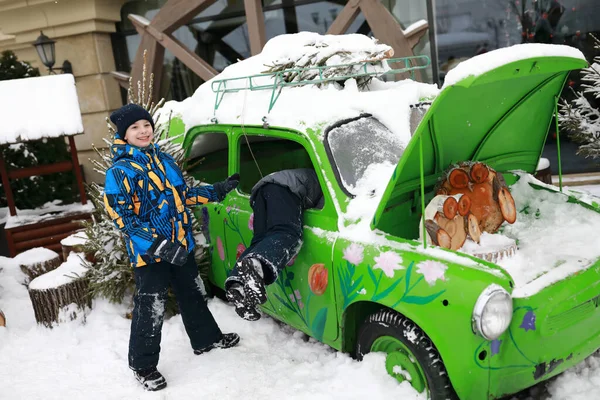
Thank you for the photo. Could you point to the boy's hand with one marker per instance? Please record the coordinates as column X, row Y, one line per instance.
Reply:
column 226, row 186
column 168, row 251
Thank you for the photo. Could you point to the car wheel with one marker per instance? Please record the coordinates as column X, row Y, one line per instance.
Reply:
column 411, row 356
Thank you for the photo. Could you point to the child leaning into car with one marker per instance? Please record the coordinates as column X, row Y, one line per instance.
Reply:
column 145, row 195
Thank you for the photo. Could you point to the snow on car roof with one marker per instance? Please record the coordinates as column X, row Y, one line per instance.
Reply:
column 306, row 106
column 40, row 107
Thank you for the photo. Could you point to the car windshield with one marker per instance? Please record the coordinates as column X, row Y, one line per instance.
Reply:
column 362, row 145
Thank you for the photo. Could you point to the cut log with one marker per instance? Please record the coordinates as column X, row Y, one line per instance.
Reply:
column 507, row 205
column 455, row 228
column 438, row 236
column 75, row 243
column 464, row 204
column 484, row 196
column 472, row 226
column 479, row 172
column 38, row 261
column 64, row 288
column 458, row 178
column 2, row 319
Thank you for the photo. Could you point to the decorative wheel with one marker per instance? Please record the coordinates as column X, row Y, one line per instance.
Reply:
column 411, row 356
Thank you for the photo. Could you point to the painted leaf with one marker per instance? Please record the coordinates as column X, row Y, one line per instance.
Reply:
column 372, row 275
column 318, row 324
column 284, row 302
column 387, row 291
column 408, row 272
column 422, row 299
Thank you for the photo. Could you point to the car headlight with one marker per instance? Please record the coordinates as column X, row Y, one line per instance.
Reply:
column 493, row 312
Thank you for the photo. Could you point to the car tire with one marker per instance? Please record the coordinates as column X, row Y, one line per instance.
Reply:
column 410, row 348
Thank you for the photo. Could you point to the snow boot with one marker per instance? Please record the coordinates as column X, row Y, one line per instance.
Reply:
column 151, row 379
column 243, row 306
column 227, row 340
column 251, row 273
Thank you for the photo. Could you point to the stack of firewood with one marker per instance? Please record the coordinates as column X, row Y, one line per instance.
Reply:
column 470, row 198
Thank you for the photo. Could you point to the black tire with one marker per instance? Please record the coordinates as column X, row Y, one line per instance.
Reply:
column 392, row 324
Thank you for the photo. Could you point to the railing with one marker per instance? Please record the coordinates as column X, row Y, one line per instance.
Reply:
column 280, row 79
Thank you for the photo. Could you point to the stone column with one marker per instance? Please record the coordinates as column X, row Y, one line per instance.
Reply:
column 82, row 31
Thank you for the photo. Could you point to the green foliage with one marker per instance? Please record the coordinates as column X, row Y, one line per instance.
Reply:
column 35, row 191
column 12, row 68
column 580, row 117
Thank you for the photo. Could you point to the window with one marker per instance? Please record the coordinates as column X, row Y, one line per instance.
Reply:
column 359, row 147
column 260, row 156
column 208, row 157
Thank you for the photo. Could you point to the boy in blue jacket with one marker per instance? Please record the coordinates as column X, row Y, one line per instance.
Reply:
column 145, row 195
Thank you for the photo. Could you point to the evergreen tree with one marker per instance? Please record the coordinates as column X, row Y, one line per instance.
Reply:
column 35, row 191
column 581, row 116
column 111, row 276
column 12, row 68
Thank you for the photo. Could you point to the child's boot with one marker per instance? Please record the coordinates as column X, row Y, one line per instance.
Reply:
column 243, row 306
column 251, row 273
column 150, row 379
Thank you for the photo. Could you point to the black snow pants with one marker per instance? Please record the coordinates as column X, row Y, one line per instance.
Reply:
column 277, row 231
column 152, row 282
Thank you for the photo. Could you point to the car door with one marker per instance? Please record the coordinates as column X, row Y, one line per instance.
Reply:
column 303, row 295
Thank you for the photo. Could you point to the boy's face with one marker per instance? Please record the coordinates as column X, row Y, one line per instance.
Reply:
column 139, row 134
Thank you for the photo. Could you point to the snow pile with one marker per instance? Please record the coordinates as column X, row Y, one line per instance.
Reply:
column 35, row 256
column 271, row 362
column 40, row 107
column 76, row 239
column 74, row 267
column 486, row 62
column 49, row 210
column 555, row 238
column 307, row 106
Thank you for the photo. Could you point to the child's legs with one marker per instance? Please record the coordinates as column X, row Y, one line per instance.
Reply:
column 283, row 237
column 152, row 282
column 197, row 318
column 259, row 209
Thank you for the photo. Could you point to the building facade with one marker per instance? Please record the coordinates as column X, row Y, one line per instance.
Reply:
column 98, row 38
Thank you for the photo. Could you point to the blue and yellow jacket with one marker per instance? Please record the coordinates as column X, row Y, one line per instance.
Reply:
column 145, row 195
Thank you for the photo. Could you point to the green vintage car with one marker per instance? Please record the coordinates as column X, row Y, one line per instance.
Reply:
column 453, row 325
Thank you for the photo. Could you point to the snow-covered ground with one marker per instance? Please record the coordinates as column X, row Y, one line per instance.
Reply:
column 273, row 361
column 78, row 361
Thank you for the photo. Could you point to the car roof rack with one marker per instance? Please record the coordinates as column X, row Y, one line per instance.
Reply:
column 231, row 85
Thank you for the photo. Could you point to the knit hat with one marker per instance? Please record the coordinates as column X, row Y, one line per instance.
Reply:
column 128, row 115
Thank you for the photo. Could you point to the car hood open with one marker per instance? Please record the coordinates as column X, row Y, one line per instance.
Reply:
column 501, row 118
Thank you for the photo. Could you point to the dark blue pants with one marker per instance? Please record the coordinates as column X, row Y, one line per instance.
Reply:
column 152, row 282
column 277, row 231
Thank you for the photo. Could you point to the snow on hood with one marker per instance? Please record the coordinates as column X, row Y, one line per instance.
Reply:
column 556, row 238
column 486, row 62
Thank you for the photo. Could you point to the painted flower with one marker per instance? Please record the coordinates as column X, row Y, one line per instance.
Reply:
column 220, row 248
column 251, row 222
column 354, row 254
column 228, row 209
column 239, row 250
column 528, row 322
column 296, row 297
column 495, row 346
column 318, row 278
column 291, row 262
column 389, row 262
column 432, row 271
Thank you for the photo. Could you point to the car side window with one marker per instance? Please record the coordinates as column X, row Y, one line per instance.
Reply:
column 208, row 157
column 260, row 156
